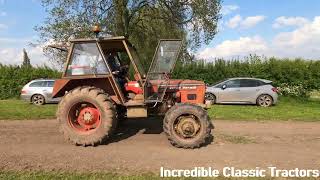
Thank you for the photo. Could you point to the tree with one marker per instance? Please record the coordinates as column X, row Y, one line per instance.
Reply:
column 142, row 21
column 25, row 58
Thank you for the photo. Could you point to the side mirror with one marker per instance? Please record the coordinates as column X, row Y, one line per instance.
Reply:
column 224, row 86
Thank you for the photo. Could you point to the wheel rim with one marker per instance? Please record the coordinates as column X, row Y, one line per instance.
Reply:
column 37, row 99
column 187, row 126
column 265, row 100
column 84, row 117
column 209, row 97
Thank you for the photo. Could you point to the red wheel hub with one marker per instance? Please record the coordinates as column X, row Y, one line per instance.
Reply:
column 89, row 118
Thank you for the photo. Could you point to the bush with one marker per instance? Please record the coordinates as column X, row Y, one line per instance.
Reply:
column 13, row 78
column 293, row 90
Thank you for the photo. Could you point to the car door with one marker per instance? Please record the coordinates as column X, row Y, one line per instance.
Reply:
column 248, row 90
column 230, row 91
column 48, row 91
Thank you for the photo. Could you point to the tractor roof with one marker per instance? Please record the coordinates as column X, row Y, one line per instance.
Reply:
column 100, row 39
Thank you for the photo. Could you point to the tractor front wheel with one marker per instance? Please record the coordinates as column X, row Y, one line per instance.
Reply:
column 86, row 116
column 187, row 126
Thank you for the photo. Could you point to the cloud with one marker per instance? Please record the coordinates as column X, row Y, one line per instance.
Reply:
column 13, row 55
column 248, row 22
column 252, row 21
column 227, row 9
column 303, row 42
column 230, row 48
column 3, row 26
column 289, row 21
column 234, row 21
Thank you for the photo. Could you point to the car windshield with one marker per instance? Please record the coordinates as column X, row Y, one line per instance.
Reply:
column 219, row 82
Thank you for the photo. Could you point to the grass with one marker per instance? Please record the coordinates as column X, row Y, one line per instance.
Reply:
column 22, row 175
column 287, row 109
column 11, row 175
column 18, row 109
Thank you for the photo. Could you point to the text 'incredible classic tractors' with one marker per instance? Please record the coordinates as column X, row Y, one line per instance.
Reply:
column 97, row 93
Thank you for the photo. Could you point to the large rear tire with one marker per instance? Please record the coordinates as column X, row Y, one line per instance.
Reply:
column 86, row 116
column 187, row 126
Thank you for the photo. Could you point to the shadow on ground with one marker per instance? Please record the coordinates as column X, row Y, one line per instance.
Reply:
column 130, row 127
column 150, row 125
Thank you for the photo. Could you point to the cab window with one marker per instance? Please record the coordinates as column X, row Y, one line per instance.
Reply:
column 86, row 60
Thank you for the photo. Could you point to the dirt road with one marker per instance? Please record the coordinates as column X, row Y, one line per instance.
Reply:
column 140, row 145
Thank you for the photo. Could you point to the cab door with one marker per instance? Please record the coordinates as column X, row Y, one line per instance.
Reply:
column 158, row 77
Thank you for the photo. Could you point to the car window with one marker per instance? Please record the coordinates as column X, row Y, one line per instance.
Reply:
column 233, row 83
column 50, row 83
column 38, row 84
column 249, row 83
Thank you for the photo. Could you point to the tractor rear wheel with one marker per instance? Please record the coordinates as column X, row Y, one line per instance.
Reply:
column 86, row 116
column 187, row 126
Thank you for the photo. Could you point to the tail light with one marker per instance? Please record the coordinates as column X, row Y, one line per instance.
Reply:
column 23, row 91
column 274, row 89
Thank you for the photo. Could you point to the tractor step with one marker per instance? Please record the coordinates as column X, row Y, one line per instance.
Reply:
column 134, row 103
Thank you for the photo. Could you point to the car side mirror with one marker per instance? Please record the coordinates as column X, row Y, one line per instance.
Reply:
column 224, row 86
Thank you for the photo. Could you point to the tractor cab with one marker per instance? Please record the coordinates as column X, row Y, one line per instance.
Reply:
column 105, row 62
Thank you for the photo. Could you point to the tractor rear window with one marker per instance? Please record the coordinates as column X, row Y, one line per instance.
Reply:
column 86, row 60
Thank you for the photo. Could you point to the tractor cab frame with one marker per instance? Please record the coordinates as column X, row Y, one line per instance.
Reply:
column 98, row 61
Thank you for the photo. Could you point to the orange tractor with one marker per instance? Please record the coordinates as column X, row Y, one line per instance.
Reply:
column 98, row 93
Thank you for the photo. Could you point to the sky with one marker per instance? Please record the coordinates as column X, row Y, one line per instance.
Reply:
column 280, row 28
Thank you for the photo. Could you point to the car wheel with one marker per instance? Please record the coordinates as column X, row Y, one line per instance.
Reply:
column 38, row 99
column 210, row 97
column 264, row 100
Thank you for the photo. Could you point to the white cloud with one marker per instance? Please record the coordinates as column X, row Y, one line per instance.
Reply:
column 245, row 23
column 230, row 48
column 227, row 9
column 301, row 42
column 3, row 26
column 252, row 21
column 289, row 21
column 13, row 55
column 234, row 21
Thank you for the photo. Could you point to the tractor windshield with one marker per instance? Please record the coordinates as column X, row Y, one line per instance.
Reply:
column 166, row 56
column 161, row 67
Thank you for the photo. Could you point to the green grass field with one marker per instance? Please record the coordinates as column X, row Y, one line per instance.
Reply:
column 18, row 109
column 91, row 176
column 287, row 109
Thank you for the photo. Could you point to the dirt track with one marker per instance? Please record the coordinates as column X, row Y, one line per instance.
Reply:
column 140, row 145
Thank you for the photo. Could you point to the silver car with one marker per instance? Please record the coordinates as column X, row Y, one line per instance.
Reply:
column 243, row 91
column 39, row 92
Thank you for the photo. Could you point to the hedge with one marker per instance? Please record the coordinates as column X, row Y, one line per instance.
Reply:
column 288, row 74
column 13, row 78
